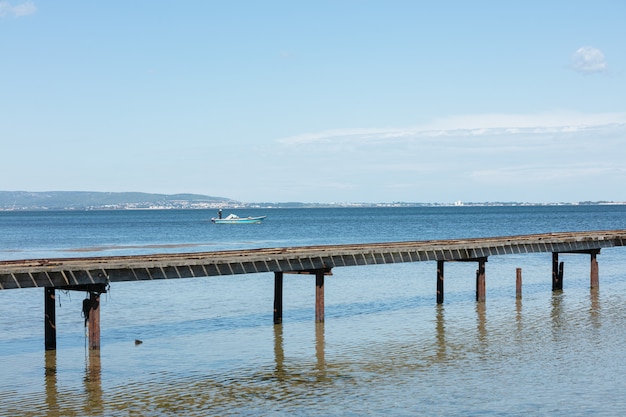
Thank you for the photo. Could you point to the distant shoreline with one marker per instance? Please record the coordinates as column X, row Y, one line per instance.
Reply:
column 91, row 200
column 252, row 206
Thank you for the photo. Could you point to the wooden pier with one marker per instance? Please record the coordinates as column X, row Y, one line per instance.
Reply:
column 95, row 274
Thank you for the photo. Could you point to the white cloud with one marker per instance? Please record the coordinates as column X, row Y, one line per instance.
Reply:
column 540, row 157
column 468, row 126
column 588, row 60
column 540, row 173
column 21, row 9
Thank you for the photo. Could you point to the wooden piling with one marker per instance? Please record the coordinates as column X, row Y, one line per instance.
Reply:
column 319, row 296
column 480, row 281
column 518, row 283
column 555, row 269
column 50, row 319
column 595, row 280
column 440, row 282
column 557, row 272
column 94, row 320
column 278, row 297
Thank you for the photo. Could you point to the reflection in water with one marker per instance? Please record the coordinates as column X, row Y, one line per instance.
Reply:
column 93, row 382
column 556, row 312
column 481, row 324
column 481, row 329
column 594, row 308
column 50, row 377
column 279, row 353
column 295, row 375
column 441, row 333
column 319, row 351
column 61, row 403
column 280, row 370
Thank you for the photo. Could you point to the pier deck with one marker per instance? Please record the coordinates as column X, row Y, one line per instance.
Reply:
column 94, row 274
column 64, row 272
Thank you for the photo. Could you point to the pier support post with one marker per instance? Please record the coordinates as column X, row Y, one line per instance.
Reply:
column 440, row 282
column 319, row 296
column 278, row 297
column 91, row 311
column 518, row 283
column 557, row 272
column 595, row 280
column 50, row 332
column 561, row 273
column 555, row 269
column 480, row 281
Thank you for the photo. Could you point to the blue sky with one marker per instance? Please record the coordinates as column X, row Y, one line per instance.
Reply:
column 316, row 101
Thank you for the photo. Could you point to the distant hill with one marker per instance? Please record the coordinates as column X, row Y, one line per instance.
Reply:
column 85, row 200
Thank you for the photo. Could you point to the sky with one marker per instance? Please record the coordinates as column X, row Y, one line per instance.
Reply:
column 316, row 101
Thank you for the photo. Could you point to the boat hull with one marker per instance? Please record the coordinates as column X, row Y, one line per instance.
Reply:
column 239, row 220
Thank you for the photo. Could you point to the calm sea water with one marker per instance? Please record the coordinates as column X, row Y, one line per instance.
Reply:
column 210, row 348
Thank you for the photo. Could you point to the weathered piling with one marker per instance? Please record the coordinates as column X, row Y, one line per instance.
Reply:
column 440, row 282
column 480, row 281
column 50, row 327
column 594, row 274
column 557, row 268
column 518, row 283
column 91, row 312
column 557, row 277
column 278, row 297
column 319, row 296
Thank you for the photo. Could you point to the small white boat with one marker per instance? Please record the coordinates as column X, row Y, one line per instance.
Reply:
column 234, row 219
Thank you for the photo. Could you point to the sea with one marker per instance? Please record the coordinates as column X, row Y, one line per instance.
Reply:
column 208, row 346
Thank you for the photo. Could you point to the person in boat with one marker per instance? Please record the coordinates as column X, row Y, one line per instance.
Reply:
column 219, row 214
